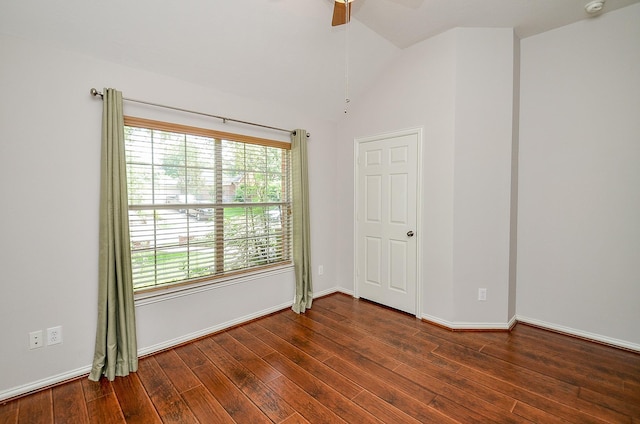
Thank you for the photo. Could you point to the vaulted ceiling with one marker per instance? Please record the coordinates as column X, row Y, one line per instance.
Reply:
column 283, row 51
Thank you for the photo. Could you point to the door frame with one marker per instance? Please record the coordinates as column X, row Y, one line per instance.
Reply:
column 356, row 154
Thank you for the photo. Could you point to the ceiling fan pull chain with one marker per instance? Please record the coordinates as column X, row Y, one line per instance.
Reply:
column 346, row 60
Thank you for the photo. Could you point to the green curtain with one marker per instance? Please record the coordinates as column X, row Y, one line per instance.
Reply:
column 116, row 347
column 301, row 232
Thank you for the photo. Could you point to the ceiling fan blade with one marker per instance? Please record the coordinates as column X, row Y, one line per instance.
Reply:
column 340, row 13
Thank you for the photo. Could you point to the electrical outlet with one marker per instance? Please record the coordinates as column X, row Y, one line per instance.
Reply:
column 35, row 339
column 320, row 270
column 482, row 294
column 54, row 335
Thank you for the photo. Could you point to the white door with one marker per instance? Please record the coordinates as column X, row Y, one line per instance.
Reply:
column 386, row 219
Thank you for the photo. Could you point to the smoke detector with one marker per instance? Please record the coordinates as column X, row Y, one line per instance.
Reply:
column 594, row 7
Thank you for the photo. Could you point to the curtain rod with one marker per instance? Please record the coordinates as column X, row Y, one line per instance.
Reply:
column 96, row 93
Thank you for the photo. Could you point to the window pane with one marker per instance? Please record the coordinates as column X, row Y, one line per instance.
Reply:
column 182, row 225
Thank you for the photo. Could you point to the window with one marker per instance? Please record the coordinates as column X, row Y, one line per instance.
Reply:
column 204, row 204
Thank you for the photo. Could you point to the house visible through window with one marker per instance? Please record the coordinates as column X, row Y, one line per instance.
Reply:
column 204, row 204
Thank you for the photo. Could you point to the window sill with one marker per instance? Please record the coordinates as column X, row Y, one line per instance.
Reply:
column 172, row 292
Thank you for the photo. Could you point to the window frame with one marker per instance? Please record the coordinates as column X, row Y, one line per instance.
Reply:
column 286, row 205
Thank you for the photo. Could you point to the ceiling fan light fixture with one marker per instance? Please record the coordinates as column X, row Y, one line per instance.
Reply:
column 594, row 7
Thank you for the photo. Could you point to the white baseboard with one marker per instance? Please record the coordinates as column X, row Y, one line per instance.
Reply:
column 470, row 326
column 461, row 325
column 45, row 382
column 579, row 333
column 332, row 291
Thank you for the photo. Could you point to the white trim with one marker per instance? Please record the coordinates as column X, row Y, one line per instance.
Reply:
column 356, row 160
column 419, row 224
column 458, row 325
column 345, row 291
column 419, row 164
column 332, row 291
column 579, row 333
column 45, row 382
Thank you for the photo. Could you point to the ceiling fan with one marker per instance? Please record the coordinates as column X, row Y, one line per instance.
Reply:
column 340, row 13
column 342, row 9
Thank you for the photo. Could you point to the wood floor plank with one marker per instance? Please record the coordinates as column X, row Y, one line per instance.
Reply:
column 606, row 371
column 296, row 336
column 134, row 400
column 304, row 337
column 177, row 371
column 456, row 411
column 631, row 408
column 191, row 355
column 379, row 349
column 470, row 399
column 9, row 412
column 36, row 408
column 205, row 407
column 269, row 402
column 374, row 319
column 444, row 376
column 384, row 411
column 522, row 393
column 375, row 349
column 562, row 368
column 535, row 415
column 306, row 405
column 170, row 406
column 248, row 358
column 327, row 321
column 96, row 389
column 413, row 406
column 105, row 410
column 69, row 405
column 591, row 352
column 389, row 376
column 519, row 376
column 253, row 344
column 295, row 419
column 552, row 388
column 237, row 405
column 632, row 391
column 309, row 363
column 320, row 390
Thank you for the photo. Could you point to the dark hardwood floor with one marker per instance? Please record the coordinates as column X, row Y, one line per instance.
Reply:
column 353, row 361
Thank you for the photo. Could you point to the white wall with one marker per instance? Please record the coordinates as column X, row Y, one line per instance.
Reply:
column 579, row 191
column 482, row 174
column 458, row 87
column 49, row 182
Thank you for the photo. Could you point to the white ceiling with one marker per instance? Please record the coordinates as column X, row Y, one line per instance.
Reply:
column 282, row 51
column 406, row 22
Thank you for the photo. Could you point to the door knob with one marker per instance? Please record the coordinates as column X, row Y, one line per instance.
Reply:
column 409, row 233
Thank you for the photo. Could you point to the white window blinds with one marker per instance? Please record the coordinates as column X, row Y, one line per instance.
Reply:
column 204, row 204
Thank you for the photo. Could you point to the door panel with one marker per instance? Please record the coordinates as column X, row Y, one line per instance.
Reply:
column 373, row 252
column 386, row 197
column 373, row 193
column 398, row 265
